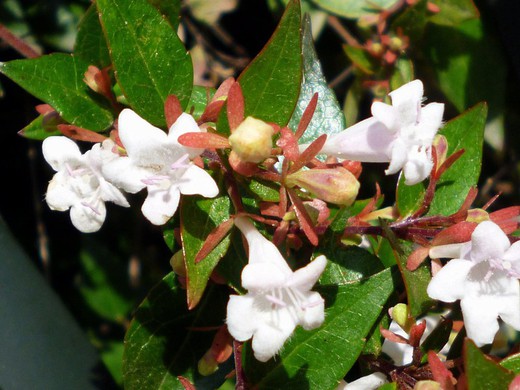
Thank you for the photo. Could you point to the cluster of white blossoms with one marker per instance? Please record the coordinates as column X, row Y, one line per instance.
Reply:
column 401, row 134
column 483, row 274
column 154, row 159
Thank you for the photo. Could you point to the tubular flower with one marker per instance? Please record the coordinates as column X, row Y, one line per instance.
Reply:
column 278, row 299
column 158, row 162
column 401, row 134
column 484, row 276
column 78, row 184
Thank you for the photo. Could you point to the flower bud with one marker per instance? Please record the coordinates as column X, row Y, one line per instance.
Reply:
column 401, row 315
column 252, row 140
column 177, row 263
column 338, row 185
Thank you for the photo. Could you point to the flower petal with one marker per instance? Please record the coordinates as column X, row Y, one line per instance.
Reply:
column 59, row 150
column 269, row 338
column 366, row 141
column 480, row 318
column 142, row 141
column 314, row 311
column 488, row 241
column 110, row 193
column 124, row 174
column 160, row 205
column 85, row 219
column 448, row 251
column 513, row 254
column 197, row 181
column 241, row 317
column 430, row 121
column 398, row 156
column 369, row 382
column 184, row 124
column 418, row 166
column 385, row 114
column 59, row 195
column 262, row 277
column 449, row 284
column 407, row 102
column 304, row 278
column 261, row 250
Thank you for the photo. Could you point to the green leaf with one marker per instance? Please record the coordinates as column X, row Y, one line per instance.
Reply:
column 464, row 132
column 328, row 117
column 454, row 12
column 409, row 198
column 512, row 363
column 403, row 72
column 199, row 216
column 271, row 82
column 148, row 56
column 90, row 42
column 463, row 58
column 355, row 8
column 200, row 97
column 57, row 79
column 415, row 282
column 318, row 359
column 166, row 340
column 170, row 9
column 412, row 21
column 233, row 262
column 266, row 191
column 482, row 372
column 39, row 129
column 361, row 59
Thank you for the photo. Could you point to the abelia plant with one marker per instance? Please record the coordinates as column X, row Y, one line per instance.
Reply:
column 284, row 276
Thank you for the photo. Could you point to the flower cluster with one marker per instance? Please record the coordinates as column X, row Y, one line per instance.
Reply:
column 152, row 159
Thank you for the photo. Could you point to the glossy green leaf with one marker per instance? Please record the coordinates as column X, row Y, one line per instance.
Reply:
column 328, row 117
column 318, row 359
column 233, row 262
column 166, row 340
column 352, row 103
column 403, row 72
column 271, row 82
column 170, row 9
column 416, row 281
column 409, row 198
column 412, row 21
column 199, row 216
column 512, row 363
column 464, row 132
column 90, row 42
column 463, row 58
column 38, row 129
column 148, row 56
column 57, row 79
column 482, row 372
column 266, row 191
column 200, row 97
column 454, row 12
column 355, row 8
column 374, row 344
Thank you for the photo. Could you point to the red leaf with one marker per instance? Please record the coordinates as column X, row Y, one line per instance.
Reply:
column 416, row 333
column 213, row 239
column 439, row 371
column 44, row 109
column 186, row 383
column 416, row 258
column 506, row 218
column 203, row 140
column 303, row 217
column 223, row 89
column 172, row 110
column 289, row 144
column 455, row 234
column 80, row 134
column 309, row 153
column 391, row 336
column 307, row 116
column 235, row 106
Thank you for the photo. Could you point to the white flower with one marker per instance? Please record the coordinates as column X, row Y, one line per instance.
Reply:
column 159, row 163
column 369, row 382
column 278, row 299
column 401, row 133
column 78, row 183
column 484, row 276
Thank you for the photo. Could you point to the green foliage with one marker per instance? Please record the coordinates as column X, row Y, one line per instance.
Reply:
column 327, row 117
column 482, row 372
column 39, row 129
column 57, row 79
column 166, row 340
column 149, row 59
column 356, row 8
column 320, row 358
